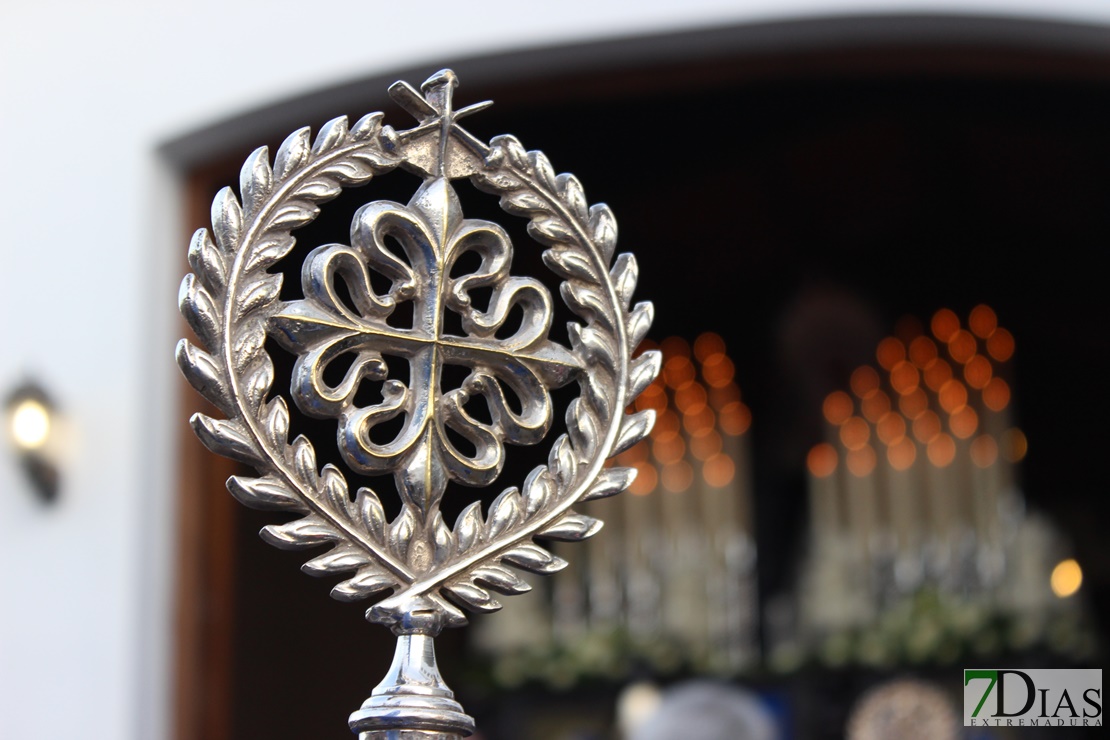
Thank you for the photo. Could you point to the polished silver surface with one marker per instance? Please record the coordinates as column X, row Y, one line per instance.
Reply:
column 427, row 571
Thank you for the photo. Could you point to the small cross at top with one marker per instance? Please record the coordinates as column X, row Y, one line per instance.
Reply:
column 433, row 107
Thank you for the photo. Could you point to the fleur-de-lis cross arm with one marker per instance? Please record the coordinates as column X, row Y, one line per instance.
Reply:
column 432, row 235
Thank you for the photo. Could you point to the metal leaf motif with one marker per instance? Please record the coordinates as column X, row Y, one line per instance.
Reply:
column 232, row 302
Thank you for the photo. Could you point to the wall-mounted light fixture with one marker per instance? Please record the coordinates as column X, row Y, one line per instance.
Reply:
column 31, row 424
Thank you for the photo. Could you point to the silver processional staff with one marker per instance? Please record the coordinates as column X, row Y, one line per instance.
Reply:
column 423, row 572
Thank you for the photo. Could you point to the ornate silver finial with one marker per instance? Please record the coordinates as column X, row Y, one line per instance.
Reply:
column 232, row 303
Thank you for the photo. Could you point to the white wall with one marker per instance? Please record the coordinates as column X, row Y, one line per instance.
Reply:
column 88, row 281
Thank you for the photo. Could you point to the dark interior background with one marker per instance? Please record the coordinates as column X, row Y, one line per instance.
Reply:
column 798, row 204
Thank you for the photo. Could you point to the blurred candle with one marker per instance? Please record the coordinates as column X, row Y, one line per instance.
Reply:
column 890, row 352
column 821, row 465
column 861, row 492
column 904, row 378
column 905, row 514
column 922, row 351
column 982, row 321
column 986, row 474
column 941, row 452
column 962, row 346
column 864, row 381
column 684, row 554
column 642, row 578
column 838, row 407
column 944, row 324
column 1000, row 345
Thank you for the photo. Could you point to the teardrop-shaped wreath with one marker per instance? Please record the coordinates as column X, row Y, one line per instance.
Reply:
column 232, row 303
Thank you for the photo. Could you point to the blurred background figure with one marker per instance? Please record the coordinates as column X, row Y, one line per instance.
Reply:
column 907, row 709
column 705, row 710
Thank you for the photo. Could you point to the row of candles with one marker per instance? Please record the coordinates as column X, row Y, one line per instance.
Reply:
column 913, row 486
column 675, row 563
column 915, row 482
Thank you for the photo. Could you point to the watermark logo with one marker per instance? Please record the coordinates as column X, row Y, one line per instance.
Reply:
column 1032, row 698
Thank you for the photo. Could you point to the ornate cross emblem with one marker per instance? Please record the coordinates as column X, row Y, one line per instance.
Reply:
column 433, row 236
column 430, row 317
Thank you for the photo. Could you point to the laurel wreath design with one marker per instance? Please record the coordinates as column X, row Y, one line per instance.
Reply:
column 231, row 296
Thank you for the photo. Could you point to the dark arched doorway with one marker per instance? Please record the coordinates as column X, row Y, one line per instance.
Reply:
column 912, row 163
